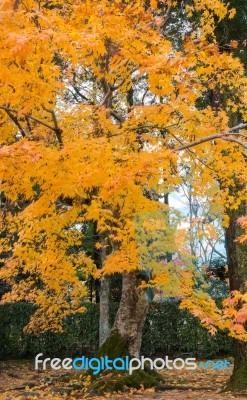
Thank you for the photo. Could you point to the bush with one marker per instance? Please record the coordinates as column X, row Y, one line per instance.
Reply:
column 80, row 334
column 13, row 341
column 168, row 330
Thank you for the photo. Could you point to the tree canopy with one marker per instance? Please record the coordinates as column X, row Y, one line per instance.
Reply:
column 100, row 113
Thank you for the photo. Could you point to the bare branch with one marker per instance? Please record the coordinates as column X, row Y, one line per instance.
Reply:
column 244, row 145
column 106, row 97
column 224, row 136
column 39, row 121
column 240, row 126
column 116, row 116
column 74, row 95
column 56, row 128
column 28, row 125
column 144, row 95
column 108, row 90
column 81, row 95
column 119, row 85
column 166, row 16
column 15, row 120
column 28, row 116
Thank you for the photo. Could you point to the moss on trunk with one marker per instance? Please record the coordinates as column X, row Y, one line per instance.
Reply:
column 238, row 380
column 114, row 381
column 114, row 346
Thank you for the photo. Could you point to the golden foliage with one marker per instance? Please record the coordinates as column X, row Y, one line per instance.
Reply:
column 73, row 150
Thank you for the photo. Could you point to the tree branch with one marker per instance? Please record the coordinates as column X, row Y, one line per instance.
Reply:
column 224, row 136
column 115, row 115
column 15, row 120
column 28, row 116
column 244, row 145
column 28, row 125
column 81, row 95
column 166, row 16
column 106, row 97
column 55, row 128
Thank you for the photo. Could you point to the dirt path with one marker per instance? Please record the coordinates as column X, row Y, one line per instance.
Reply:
column 19, row 381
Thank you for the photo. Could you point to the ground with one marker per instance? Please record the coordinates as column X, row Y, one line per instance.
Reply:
column 19, row 381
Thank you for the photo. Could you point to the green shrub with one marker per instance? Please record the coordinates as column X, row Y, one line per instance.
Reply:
column 168, row 330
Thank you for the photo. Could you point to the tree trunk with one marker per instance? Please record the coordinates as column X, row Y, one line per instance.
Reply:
column 104, row 325
column 237, row 264
column 126, row 334
column 104, row 291
column 238, row 380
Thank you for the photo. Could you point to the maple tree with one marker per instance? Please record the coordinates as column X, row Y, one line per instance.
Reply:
column 96, row 125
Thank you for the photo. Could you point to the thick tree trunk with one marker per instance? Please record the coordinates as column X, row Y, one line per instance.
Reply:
column 238, row 380
column 126, row 334
column 132, row 313
column 237, row 264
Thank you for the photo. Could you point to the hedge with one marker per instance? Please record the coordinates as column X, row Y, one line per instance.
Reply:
column 171, row 330
column 168, row 331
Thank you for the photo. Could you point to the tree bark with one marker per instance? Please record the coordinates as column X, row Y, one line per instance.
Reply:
column 126, row 334
column 238, row 379
column 104, row 325
column 237, row 264
column 104, row 316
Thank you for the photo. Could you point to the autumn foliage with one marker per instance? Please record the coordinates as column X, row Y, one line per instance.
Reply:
column 75, row 149
column 243, row 222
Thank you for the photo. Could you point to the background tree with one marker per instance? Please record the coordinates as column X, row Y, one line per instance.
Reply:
column 233, row 39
